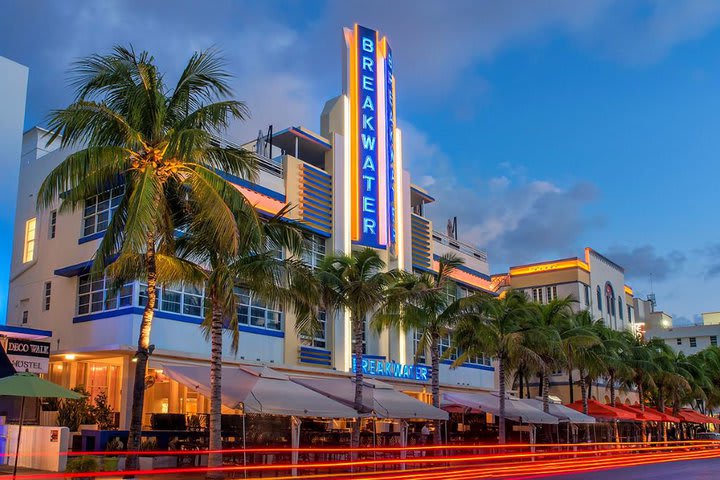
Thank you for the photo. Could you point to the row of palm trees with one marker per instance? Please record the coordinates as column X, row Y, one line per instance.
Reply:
column 180, row 221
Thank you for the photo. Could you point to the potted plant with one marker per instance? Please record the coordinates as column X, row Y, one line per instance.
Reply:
column 102, row 412
column 111, row 462
column 146, row 462
column 82, row 464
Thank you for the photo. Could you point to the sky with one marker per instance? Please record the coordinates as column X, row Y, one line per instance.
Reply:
column 544, row 126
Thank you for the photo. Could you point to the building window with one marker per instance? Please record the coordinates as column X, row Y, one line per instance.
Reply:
column 713, row 340
column 24, row 317
column 693, row 342
column 185, row 300
column 551, row 293
column 464, row 292
column 254, row 312
column 53, row 224
column 96, row 295
column 679, row 341
column 99, row 210
column 445, row 344
column 629, row 310
column 314, row 253
column 620, row 308
column 319, row 338
column 599, row 299
column 417, row 338
column 587, row 295
column 610, row 299
column 29, row 246
column 537, row 295
column 47, row 290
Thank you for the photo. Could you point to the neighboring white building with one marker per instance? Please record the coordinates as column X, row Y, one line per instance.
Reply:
column 13, row 89
column 688, row 340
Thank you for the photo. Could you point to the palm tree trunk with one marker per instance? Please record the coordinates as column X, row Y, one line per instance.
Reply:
column 661, row 407
column 541, row 384
column 521, row 376
column 570, row 384
column 642, row 409
column 142, row 355
column 589, row 387
column 357, row 327
column 527, row 386
column 435, row 356
column 215, row 420
column 501, row 417
column 583, row 394
column 546, row 392
column 616, row 430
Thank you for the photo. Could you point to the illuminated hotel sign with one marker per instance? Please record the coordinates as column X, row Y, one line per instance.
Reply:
column 381, row 368
column 371, row 88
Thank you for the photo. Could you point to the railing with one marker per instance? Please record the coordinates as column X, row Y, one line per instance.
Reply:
column 461, row 247
column 416, row 462
column 272, row 166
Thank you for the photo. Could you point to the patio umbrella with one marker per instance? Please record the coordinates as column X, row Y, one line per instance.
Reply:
column 26, row 385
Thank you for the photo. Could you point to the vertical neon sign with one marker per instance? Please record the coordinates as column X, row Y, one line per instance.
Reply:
column 390, row 145
column 367, row 131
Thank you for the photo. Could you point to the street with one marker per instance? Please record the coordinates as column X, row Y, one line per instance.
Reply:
column 688, row 470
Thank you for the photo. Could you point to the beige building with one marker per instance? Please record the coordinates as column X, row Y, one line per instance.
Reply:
column 597, row 284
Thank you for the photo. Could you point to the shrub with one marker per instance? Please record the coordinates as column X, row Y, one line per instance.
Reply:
column 83, row 464
column 73, row 413
column 102, row 412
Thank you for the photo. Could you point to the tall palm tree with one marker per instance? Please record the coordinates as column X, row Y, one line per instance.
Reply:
column 426, row 303
column 251, row 263
column 497, row 328
column 157, row 143
column 576, row 339
column 356, row 283
column 638, row 358
column 548, row 320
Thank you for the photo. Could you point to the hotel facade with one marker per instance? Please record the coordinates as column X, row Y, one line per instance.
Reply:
column 596, row 284
column 349, row 189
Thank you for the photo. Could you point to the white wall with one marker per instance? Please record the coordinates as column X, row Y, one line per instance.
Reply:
column 601, row 272
column 13, row 90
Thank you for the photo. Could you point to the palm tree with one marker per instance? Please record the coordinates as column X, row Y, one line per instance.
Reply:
column 157, row 143
column 638, row 358
column 356, row 283
column 497, row 328
column 425, row 303
column 577, row 337
column 250, row 263
column 548, row 321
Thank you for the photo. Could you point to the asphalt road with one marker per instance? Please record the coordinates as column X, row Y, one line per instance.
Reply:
column 690, row 470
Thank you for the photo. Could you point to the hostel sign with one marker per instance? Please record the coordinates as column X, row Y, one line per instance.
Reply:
column 28, row 355
column 371, row 88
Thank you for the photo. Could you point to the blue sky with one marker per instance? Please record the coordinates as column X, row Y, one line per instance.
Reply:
column 545, row 126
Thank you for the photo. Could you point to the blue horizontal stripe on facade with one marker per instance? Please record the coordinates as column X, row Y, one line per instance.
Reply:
column 373, row 357
column 90, row 238
column 420, row 246
column 311, row 196
column 321, row 232
column 316, row 362
column 74, row 270
column 315, row 171
column 316, row 181
column 320, row 212
column 171, row 316
column 418, row 218
column 313, row 349
column 253, row 186
column 319, row 226
column 25, row 330
column 318, row 220
column 317, row 355
column 476, row 366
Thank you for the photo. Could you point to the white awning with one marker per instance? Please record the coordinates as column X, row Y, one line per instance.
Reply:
column 379, row 397
column 490, row 402
column 561, row 412
column 260, row 390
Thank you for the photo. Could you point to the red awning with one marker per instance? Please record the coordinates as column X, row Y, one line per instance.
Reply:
column 694, row 417
column 665, row 417
column 604, row 412
column 645, row 416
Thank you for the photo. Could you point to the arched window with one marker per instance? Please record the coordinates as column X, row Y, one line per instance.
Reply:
column 599, row 298
column 620, row 308
column 610, row 299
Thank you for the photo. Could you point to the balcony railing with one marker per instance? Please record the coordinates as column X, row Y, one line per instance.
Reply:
column 273, row 166
column 461, row 247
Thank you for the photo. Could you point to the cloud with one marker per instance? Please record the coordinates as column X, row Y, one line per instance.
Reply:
column 515, row 218
column 643, row 261
column 711, row 265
